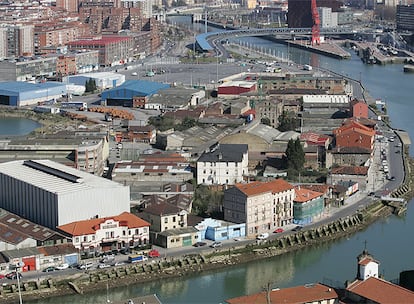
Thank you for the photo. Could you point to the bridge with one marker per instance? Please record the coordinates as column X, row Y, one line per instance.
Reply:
column 202, row 40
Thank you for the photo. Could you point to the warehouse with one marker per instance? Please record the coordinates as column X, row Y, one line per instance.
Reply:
column 131, row 93
column 18, row 94
column 52, row 194
column 103, row 80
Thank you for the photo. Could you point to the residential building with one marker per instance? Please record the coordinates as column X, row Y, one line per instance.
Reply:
column 223, row 164
column 69, row 5
column 125, row 230
column 354, row 134
column 263, row 206
column 356, row 174
column 307, row 205
column 113, row 49
column 52, row 194
column 308, row 293
column 169, row 225
column 20, row 40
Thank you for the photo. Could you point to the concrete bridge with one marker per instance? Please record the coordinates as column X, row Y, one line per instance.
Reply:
column 203, row 40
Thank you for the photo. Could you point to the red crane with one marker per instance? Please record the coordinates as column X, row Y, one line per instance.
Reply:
column 316, row 37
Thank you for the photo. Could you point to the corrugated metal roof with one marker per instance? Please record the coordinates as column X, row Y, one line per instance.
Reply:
column 19, row 86
column 138, row 87
column 52, row 183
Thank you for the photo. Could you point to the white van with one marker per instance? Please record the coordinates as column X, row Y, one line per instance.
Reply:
column 263, row 236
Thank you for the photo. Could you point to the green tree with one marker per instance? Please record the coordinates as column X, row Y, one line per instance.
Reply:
column 265, row 121
column 287, row 121
column 90, row 85
column 207, row 201
column 188, row 122
column 295, row 156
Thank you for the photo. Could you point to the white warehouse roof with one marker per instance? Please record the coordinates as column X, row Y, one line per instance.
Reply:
column 54, row 177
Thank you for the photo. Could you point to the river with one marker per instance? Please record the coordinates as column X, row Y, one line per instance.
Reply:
column 389, row 239
column 11, row 126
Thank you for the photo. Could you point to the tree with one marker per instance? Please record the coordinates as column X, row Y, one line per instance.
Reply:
column 295, row 156
column 90, row 85
column 265, row 121
column 287, row 122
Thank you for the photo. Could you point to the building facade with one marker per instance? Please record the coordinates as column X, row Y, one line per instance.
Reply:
column 125, row 230
column 307, row 205
column 223, row 164
column 262, row 206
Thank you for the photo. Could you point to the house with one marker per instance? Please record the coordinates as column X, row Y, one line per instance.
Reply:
column 263, row 206
column 235, row 88
column 109, row 233
column 309, row 294
column 146, row 134
column 356, row 174
column 169, row 225
column 354, row 134
column 307, row 205
column 223, row 164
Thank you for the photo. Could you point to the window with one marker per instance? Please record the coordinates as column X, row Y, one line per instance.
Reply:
column 173, row 219
column 85, row 238
column 77, row 240
column 166, row 220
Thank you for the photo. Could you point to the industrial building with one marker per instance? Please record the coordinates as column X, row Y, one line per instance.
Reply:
column 405, row 17
column 103, row 80
column 132, row 93
column 85, row 150
column 20, row 94
column 52, row 194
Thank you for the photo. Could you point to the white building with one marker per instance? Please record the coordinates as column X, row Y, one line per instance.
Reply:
column 52, row 194
column 223, row 164
column 109, row 233
column 327, row 17
column 103, row 80
column 367, row 266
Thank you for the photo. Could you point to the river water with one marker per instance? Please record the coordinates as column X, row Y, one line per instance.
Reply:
column 10, row 126
column 389, row 240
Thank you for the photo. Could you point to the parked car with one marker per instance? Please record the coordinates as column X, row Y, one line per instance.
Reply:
column 200, row 244
column 49, row 269
column 13, row 275
column 216, row 244
column 297, row 228
column 2, row 276
column 102, row 265
column 62, row 266
column 279, row 230
column 119, row 264
column 85, row 266
column 154, row 254
column 263, row 236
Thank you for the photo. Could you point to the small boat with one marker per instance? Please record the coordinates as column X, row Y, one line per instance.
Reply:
column 409, row 68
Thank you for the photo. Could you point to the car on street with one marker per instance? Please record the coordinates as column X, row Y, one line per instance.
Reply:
column 200, row 244
column 371, row 193
column 85, row 266
column 154, row 253
column 216, row 244
column 279, row 230
column 118, row 264
column 263, row 236
column 62, row 266
column 103, row 265
column 134, row 74
column 13, row 275
column 2, row 276
column 297, row 228
column 391, row 178
column 49, row 269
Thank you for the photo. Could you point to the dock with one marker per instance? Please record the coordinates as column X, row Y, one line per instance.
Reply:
column 329, row 48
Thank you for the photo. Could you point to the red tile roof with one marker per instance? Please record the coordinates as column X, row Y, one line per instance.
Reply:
column 90, row 226
column 255, row 188
column 303, row 195
column 381, row 291
column 350, row 170
column 365, row 261
column 293, row 295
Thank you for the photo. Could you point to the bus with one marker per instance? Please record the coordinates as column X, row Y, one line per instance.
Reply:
column 78, row 105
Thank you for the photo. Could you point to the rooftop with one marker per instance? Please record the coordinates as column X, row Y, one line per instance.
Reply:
column 224, row 153
column 255, row 188
column 304, row 195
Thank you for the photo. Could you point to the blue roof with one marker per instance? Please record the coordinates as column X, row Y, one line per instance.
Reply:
column 19, row 86
column 136, row 87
